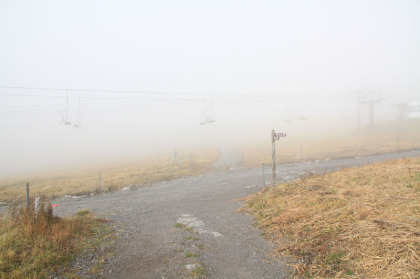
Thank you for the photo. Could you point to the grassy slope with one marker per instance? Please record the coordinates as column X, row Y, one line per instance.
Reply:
column 386, row 137
column 113, row 177
column 34, row 246
column 356, row 223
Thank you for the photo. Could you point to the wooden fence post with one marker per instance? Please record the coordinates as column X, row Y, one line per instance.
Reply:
column 27, row 194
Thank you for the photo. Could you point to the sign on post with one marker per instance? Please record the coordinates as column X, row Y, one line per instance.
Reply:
column 275, row 136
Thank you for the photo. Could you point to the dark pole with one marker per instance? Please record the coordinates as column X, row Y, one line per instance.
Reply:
column 273, row 144
column 27, row 193
column 263, row 175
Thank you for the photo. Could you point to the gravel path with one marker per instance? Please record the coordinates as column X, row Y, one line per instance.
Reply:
column 191, row 225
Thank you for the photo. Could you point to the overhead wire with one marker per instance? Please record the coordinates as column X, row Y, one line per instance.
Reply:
column 102, row 100
column 276, row 95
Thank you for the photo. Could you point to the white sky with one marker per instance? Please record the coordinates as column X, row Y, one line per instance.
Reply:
column 293, row 49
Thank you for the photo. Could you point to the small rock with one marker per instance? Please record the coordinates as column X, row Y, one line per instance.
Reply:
column 190, row 266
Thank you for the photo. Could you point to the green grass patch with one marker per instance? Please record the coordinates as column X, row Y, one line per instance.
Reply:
column 191, row 255
column 179, row 225
column 83, row 213
column 191, row 238
column 191, row 230
column 199, row 272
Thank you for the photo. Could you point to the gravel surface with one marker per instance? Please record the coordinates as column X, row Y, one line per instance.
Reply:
column 191, row 226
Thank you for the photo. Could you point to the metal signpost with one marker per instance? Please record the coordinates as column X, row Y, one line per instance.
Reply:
column 174, row 160
column 275, row 136
column 263, row 184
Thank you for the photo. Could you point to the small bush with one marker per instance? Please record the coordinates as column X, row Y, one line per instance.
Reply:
column 34, row 244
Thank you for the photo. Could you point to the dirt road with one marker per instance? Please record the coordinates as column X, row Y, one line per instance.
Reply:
column 191, row 226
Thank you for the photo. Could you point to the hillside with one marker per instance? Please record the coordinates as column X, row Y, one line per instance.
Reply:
column 354, row 223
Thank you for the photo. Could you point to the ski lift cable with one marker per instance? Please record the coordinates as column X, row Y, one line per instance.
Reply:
column 276, row 95
column 130, row 99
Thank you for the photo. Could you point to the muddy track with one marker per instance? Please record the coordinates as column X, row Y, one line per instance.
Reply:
column 191, row 226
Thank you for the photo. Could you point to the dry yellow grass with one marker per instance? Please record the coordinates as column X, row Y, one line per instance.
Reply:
column 354, row 223
column 33, row 245
column 113, row 177
column 386, row 137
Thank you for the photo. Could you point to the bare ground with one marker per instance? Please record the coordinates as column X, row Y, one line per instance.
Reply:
column 190, row 226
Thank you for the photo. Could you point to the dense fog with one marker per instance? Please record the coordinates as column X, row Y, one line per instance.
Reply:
column 88, row 82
